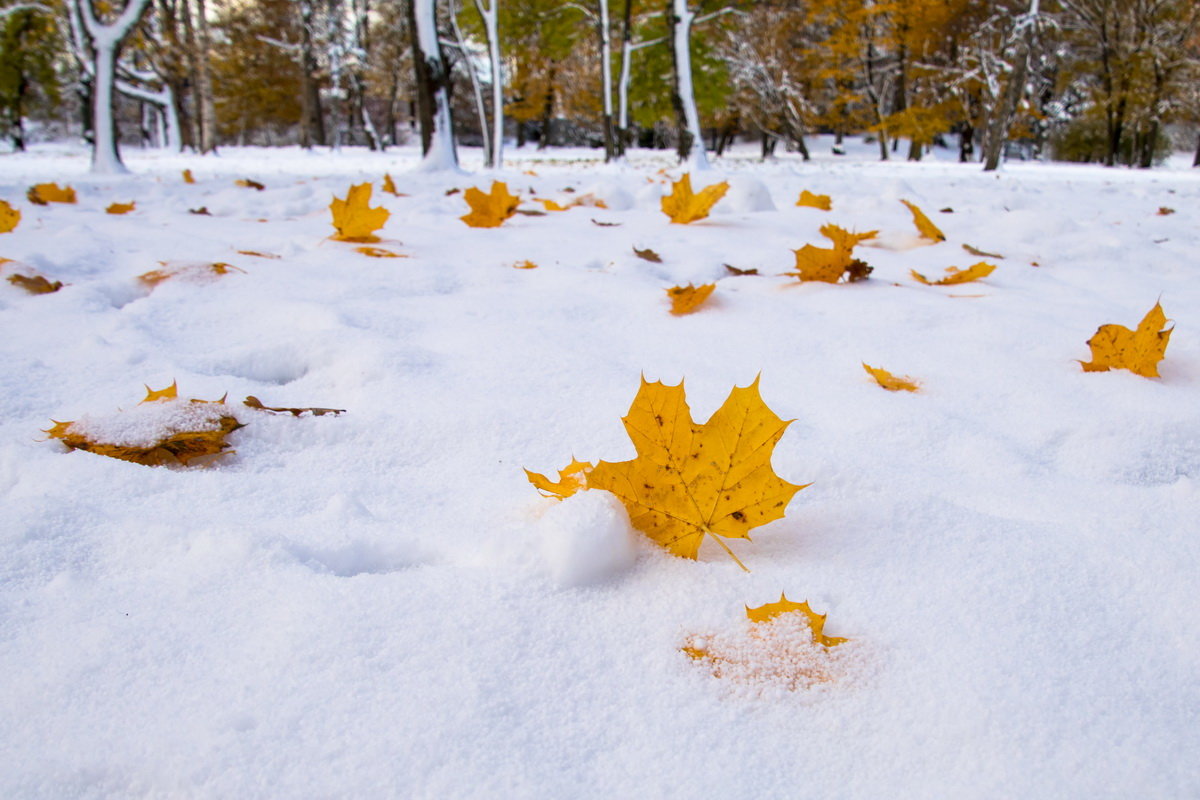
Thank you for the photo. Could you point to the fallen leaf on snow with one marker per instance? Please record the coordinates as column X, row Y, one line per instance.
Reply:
column 683, row 205
column 257, row 254
column 738, row 272
column 1117, row 347
column 524, row 265
column 389, row 186
column 831, row 264
column 120, row 208
column 202, row 211
column 491, row 209
column 354, row 219
column 249, row 184
column 34, row 284
column 45, row 193
column 954, row 275
column 571, row 479
column 9, row 217
column 648, row 255
column 889, row 381
column 821, row 201
column 1165, row 211
column 686, row 299
column 256, row 404
column 187, row 176
column 926, row 228
column 378, row 252
column 975, row 251
column 199, row 271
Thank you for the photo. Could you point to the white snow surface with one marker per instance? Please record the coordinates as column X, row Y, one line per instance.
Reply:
column 358, row 606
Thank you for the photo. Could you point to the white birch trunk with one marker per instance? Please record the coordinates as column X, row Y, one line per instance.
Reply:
column 476, row 91
column 610, row 145
column 488, row 12
column 623, row 86
column 441, row 155
column 105, row 40
column 681, row 40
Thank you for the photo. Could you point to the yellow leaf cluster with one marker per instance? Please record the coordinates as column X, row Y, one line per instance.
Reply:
column 821, row 201
column 830, row 264
column 683, row 205
column 9, row 217
column 889, row 381
column 955, row 275
column 926, row 228
column 120, row 208
column 45, row 193
column 354, row 219
column 686, row 299
column 1117, row 347
column 492, row 209
column 692, row 480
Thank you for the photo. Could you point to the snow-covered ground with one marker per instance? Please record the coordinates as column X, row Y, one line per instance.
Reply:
column 378, row 604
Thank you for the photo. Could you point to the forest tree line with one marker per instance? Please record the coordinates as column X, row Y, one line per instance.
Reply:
column 1083, row 80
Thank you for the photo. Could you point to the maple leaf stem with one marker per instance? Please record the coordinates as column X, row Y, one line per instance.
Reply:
column 725, row 547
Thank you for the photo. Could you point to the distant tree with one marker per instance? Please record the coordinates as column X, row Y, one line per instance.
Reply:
column 29, row 46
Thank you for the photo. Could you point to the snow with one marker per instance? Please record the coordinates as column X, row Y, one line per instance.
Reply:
column 587, row 539
column 365, row 604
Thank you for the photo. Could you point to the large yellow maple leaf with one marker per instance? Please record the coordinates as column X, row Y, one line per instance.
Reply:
column 683, row 205
column 9, row 217
column 491, row 209
column 829, row 264
column 690, row 480
column 1117, row 347
column 353, row 217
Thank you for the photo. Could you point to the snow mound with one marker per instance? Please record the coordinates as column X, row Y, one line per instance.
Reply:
column 587, row 539
column 149, row 423
column 746, row 195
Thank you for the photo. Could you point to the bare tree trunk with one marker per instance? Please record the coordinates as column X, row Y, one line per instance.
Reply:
column 433, row 88
column 1002, row 115
column 610, row 144
column 1196, row 160
column 548, row 110
column 312, row 123
column 208, row 107
column 623, row 81
column 683, row 95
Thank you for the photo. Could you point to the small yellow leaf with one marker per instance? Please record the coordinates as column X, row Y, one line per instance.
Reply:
column 524, row 265
column 158, row 395
column 821, row 201
column 249, row 184
column 378, row 252
column 954, row 275
column 889, row 381
column 829, row 264
column 550, row 205
column 34, row 284
column 120, row 208
column 9, row 217
column 816, row 622
column 926, row 228
column 188, row 177
column 689, row 480
column 1117, row 347
column 389, row 186
column 686, row 299
column 491, row 209
column 571, row 479
column 683, row 205
column 44, row 193
column 354, row 219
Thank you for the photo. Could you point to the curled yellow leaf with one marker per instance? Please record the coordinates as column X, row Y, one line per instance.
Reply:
column 571, row 479
column 889, row 381
column 955, row 275
column 924, row 226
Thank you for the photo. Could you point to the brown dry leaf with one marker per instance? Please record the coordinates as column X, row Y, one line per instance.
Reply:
column 785, row 645
column 177, row 431
column 188, row 177
column 683, row 205
column 195, row 271
column 648, row 255
column 821, row 201
column 249, row 184
column 45, row 193
column 1117, row 347
column 1164, row 211
column 34, row 284
column 120, row 208
column 954, row 275
column 378, row 252
column 690, row 481
column 738, row 272
column 830, row 264
column 606, row 224
column 354, row 219
column 202, row 211
column 975, row 251
column 256, row 404
column 687, row 299
column 524, row 265
column 491, row 209
column 9, row 217
column 889, row 381
column 926, row 228
column 257, row 254
column 571, row 479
